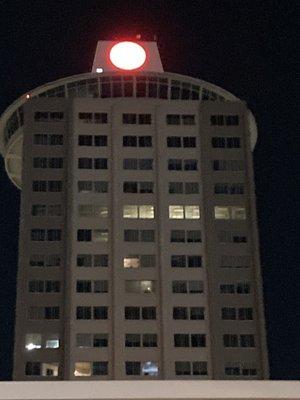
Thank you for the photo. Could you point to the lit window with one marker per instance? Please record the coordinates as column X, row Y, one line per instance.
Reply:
column 139, row 286
column 52, row 341
column 130, row 211
column 176, row 212
column 146, row 212
column 33, row 341
column 83, row 369
column 150, row 368
column 238, row 212
column 131, row 262
column 192, row 212
column 100, row 235
column 222, row 212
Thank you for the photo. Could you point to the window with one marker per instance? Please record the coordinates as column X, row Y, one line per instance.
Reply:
column 100, row 368
column 100, row 312
column 100, row 141
column 230, row 212
column 245, row 313
column 143, row 286
column 45, row 116
column 191, row 188
column 184, row 212
column 52, row 312
column 175, row 187
column 196, row 286
column 40, row 162
column 145, row 119
column 100, row 286
column 134, row 141
column 177, row 236
column 83, row 368
column 144, row 261
column 150, row 340
column 150, row 368
column 85, row 140
column 180, row 313
column 85, row 163
column 54, row 186
column 227, row 188
column 133, row 368
column 97, row 118
column 174, row 165
column 188, row 119
column 193, row 236
column 148, row 313
column 179, row 287
column 84, row 287
column 33, row 368
column 33, row 341
column 228, row 313
column 174, row 141
column 239, row 261
column 134, row 164
column 92, row 186
column 39, row 186
column 86, row 340
column 100, row 163
column 226, row 142
column 243, row 288
column 189, row 141
column 229, row 237
column 224, row 120
column 92, row 210
column 190, row 165
column 55, row 162
column 41, row 139
column 244, row 369
column 52, row 341
column 190, row 368
column 38, row 210
column 133, row 235
column 145, row 211
column 227, row 288
column 247, row 341
column 196, row 313
column 228, row 165
column 100, row 235
column 132, row 340
column 132, row 313
column 146, row 187
column 173, row 119
column 83, row 312
column 129, row 118
column 230, row 340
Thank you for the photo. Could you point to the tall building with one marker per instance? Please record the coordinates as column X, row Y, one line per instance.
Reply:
column 138, row 251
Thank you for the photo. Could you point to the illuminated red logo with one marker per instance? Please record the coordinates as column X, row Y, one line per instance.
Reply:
column 127, row 55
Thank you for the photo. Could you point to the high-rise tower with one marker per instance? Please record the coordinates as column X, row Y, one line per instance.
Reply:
column 138, row 251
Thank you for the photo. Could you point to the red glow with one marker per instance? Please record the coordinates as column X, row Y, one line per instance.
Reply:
column 127, row 55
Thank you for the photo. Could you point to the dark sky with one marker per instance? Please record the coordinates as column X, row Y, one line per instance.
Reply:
column 246, row 47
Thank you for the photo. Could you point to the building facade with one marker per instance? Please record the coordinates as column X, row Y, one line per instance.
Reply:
column 138, row 250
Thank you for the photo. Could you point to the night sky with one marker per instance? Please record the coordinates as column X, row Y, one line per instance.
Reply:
column 246, row 47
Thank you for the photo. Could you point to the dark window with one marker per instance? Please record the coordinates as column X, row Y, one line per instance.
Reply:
column 131, row 235
column 85, row 163
column 189, row 141
column 129, row 118
column 173, row 119
column 100, row 118
column 174, row 141
column 83, row 312
column 133, row 368
column 132, row 313
column 146, row 164
column 218, row 142
column 130, row 187
column 197, row 313
column 198, row 340
column 100, row 312
column 146, row 187
column 145, row 141
column 177, row 236
column 147, row 235
column 148, row 312
column 100, row 163
column 190, row 165
column 178, row 261
column 101, row 260
column 181, row 340
column 130, row 163
column 84, row 235
column 100, row 140
column 180, row 313
column 174, row 165
column 84, row 286
column 51, row 312
column 175, row 187
column 191, row 188
column 145, row 119
column 129, row 141
column 193, row 236
column 194, row 261
column 100, row 368
column 232, row 119
column 188, row 119
column 85, row 140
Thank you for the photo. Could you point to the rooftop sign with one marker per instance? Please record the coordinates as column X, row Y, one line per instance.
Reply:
column 127, row 56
